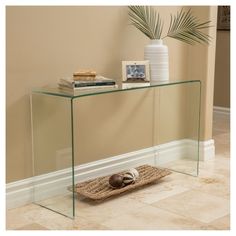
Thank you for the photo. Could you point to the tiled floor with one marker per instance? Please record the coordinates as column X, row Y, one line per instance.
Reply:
column 177, row 202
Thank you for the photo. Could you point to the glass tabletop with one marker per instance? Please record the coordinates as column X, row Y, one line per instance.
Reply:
column 54, row 90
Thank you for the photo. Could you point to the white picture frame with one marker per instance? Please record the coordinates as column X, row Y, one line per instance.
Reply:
column 135, row 71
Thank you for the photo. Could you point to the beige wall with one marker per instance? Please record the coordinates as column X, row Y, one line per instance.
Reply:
column 222, row 70
column 46, row 43
column 202, row 66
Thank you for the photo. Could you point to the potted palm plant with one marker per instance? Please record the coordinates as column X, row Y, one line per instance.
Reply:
column 184, row 26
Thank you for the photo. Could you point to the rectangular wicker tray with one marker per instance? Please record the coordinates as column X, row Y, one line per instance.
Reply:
column 99, row 188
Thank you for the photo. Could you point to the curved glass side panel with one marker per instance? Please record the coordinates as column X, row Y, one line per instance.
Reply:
column 177, row 127
column 52, row 152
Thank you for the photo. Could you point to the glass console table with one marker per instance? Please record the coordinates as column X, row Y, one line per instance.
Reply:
column 90, row 133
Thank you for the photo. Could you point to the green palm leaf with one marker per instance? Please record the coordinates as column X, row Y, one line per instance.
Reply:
column 187, row 28
column 145, row 19
column 184, row 26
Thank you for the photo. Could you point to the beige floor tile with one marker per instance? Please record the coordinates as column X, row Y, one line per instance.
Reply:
column 81, row 223
column 53, row 221
column 217, row 185
column 152, row 218
column 222, row 223
column 220, row 162
column 181, row 180
column 214, row 178
column 49, row 219
column 32, row 226
column 98, row 212
column 62, row 205
column 186, row 166
column 207, row 181
column 218, row 166
column 196, row 205
column 155, row 192
column 16, row 218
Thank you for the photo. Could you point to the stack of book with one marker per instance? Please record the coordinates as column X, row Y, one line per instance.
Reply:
column 86, row 80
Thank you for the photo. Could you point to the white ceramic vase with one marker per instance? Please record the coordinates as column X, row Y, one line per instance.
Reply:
column 157, row 55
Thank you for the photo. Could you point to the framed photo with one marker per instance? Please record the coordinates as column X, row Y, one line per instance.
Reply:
column 223, row 21
column 135, row 71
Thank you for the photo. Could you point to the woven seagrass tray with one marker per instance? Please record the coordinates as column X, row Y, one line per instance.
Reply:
column 99, row 188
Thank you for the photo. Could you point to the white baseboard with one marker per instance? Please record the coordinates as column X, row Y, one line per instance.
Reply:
column 21, row 192
column 221, row 110
column 206, row 150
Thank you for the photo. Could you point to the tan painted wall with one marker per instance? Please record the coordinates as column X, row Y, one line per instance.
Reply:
column 222, row 70
column 202, row 66
column 46, row 43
